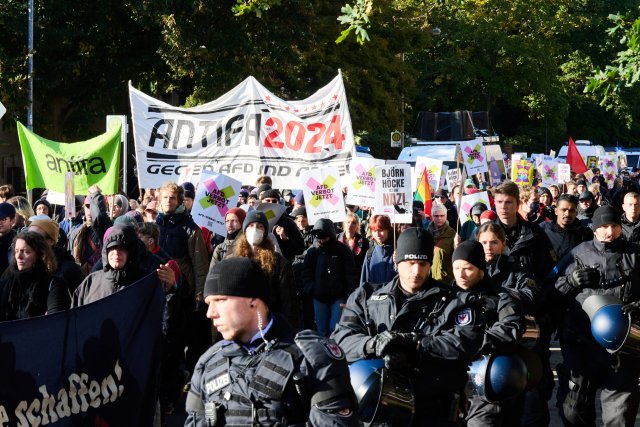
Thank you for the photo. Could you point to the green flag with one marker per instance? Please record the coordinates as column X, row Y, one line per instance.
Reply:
column 94, row 161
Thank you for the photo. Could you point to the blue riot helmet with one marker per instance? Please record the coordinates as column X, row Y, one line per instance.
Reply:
column 610, row 327
column 383, row 397
column 496, row 377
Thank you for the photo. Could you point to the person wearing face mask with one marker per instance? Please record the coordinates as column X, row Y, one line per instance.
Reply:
column 233, row 220
column 254, row 244
column 329, row 275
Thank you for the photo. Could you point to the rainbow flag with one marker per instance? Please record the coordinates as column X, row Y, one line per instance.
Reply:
column 423, row 193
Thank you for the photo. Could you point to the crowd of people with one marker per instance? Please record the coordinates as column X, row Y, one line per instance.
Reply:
column 427, row 298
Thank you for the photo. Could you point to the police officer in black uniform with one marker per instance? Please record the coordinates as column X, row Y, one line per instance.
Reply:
column 607, row 265
column 421, row 327
column 263, row 373
column 504, row 320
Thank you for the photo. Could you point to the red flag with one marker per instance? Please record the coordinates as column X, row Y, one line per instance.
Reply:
column 574, row 159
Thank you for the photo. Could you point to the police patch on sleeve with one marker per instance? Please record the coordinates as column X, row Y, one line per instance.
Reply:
column 464, row 317
column 334, row 350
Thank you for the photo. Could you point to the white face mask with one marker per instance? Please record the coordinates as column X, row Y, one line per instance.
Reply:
column 254, row 236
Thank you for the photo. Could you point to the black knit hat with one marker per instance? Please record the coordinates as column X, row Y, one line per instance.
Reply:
column 586, row 195
column 189, row 190
column 414, row 244
column 239, row 277
column 604, row 215
column 255, row 216
column 270, row 194
column 472, row 252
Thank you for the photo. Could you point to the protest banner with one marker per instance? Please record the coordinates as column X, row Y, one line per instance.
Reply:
column 94, row 161
column 394, row 197
column 247, row 132
column 93, row 365
column 467, row 202
column 592, row 162
column 522, row 172
column 564, row 173
column 433, row 168
column 361, row 181
column 549, row 172
column 215, row 195
column 474, row 157
column 323, row 195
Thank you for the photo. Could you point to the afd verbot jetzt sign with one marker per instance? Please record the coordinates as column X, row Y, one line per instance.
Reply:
column 245, row 133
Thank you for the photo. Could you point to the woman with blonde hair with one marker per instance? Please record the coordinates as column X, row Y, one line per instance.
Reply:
column 24, row 211
column 255, row 244
column 353, row 239
column 28, row 287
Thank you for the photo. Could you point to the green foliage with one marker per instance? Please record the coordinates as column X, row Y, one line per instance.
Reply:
column 625, row 69
column 357, row 19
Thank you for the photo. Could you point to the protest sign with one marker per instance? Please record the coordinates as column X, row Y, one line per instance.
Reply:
column 564, row 173
column 453, row 178
column 394, row 197
column 323, row 195
column 474, row 157
column 94, row 161
column 467, row 201
column 361, row 181
column 433, row 168
column 93, row 365
column 549, row 172
column 522, row 172
column 245, row 133
column 215, row 195
column 608, row 165
column 272, row 211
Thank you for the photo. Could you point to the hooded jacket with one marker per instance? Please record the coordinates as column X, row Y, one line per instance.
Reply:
column 107, row 281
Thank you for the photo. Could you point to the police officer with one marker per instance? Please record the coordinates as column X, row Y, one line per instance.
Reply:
column 263, row 373
column 504, row 320
column 607, row 265
column 422, row 328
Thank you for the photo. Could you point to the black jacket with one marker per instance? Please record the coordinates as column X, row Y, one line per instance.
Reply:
column 531, row 247
column 503, row 316
column 618, row 263
column 563, row 240
column 262, row 379
column 449, row 326
column 329, row 271
column 30, row 293
column 294, row 245
column 630, row 230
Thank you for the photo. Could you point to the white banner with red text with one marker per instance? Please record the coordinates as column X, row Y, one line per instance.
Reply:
column 245, row 133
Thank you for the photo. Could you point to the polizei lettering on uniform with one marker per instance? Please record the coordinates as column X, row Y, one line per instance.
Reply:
column 79, row 165
column 81, row 394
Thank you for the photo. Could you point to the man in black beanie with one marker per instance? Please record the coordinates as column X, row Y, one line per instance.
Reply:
column 423, row 329
column 263, row 370
column 607, row 265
